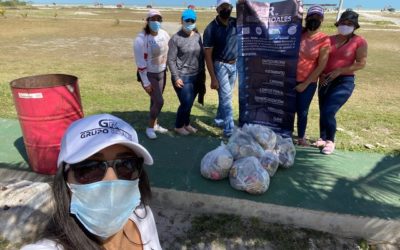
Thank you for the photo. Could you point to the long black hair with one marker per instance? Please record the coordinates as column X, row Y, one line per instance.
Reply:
column 65, row 229
column 146, row 29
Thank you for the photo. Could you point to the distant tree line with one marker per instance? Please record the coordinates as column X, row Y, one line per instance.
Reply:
column 12, row 3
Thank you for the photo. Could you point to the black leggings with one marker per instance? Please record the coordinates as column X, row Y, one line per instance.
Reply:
column 157, row 81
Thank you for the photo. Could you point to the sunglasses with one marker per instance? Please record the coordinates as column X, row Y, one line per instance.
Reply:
column 90, row 171
column 156, row 19
column 190, row 20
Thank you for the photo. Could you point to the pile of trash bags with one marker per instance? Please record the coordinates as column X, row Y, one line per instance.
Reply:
column 250, row 158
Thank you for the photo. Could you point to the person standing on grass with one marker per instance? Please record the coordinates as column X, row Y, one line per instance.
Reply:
column 150, row 51
column 314, row 51
column 186, row 63
column 221, row 52
column 348, row 54
column 101, row 190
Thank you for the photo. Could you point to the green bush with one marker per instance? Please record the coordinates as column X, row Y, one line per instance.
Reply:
column 12, row 3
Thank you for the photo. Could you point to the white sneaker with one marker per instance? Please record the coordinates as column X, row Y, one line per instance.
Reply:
column 150, row 133
column 160, row 129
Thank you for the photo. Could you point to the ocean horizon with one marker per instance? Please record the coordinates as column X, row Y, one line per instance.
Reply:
column 144, row 6
column 354, row 4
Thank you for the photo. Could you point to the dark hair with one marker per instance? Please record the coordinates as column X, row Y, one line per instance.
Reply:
column 65, row 229
column 146, row 29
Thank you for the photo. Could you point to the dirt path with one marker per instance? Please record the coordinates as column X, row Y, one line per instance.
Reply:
column 376, row 17
column 182, row 230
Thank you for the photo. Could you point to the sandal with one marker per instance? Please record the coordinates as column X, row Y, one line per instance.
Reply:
column 302, row 142
column 320, row 143
column 329, row 148
column 181, row 131
column 191, row 129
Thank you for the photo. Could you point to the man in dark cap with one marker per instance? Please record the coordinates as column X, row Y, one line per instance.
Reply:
column 220, row 47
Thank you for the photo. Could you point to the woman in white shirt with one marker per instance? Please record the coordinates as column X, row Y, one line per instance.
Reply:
column 101, row 191
column 150, row 51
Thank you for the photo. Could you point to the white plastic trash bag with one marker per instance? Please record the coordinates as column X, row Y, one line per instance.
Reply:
column 248, row 175
column 241, row 145
column 262, row 134
column 216, row 164
column 286, row 151
column 270, row 162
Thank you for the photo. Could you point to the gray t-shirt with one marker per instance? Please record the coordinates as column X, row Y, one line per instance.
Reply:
column 185, row 55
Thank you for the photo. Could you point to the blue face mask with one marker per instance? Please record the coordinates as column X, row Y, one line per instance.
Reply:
column 189, row 26
column 154, row 26
column 104, row 207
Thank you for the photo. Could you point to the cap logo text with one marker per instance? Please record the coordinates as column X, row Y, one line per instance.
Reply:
column 108, row 123
column 106, row 126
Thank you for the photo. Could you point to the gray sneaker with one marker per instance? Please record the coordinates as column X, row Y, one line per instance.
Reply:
column 160, row 129
column 150, row 133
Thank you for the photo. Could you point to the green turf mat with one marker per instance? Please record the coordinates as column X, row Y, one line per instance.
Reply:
column 354, row 183
column 345, row 182
column 12, row 149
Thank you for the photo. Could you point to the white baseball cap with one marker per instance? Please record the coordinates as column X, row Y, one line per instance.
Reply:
column 89, row 135
column 220, row 2
column 153, row 12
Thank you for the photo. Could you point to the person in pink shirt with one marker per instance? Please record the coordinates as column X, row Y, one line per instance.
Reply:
column 348, row 54
column 314, row 51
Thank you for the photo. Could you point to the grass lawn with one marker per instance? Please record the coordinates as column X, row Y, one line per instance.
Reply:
column 96, row 46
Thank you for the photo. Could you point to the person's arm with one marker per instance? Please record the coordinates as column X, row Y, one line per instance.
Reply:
column 141, row 63
column 208, row 43
column 172, row 58
column 359, row 63
column 322, row 60
column 210, row 67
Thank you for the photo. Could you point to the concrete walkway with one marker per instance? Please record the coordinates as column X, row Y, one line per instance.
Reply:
column 350, row 194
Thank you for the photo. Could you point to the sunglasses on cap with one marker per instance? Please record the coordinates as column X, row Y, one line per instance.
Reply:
column 189, row 20
column 90, row 171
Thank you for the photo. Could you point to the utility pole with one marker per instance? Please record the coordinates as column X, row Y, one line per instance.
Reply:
column 339, row 10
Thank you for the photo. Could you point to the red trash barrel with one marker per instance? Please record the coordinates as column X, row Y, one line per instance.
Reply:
column 46, row 105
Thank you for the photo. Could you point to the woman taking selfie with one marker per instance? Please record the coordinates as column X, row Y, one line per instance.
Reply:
column 101, row 191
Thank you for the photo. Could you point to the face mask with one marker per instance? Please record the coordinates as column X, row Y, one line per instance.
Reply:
column 225, row 13
column 154, row 26
column 313, row 24
column 189, row 26
column 345, row 30
column 104, row 207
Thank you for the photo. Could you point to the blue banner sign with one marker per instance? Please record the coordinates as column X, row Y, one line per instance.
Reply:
column 268, row 40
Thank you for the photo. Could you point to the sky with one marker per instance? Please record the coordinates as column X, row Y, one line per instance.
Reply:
column 355, row 4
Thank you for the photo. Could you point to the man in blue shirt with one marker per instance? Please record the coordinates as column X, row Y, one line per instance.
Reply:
column 221, row 52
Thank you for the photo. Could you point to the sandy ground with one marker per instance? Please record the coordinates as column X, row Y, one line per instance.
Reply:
column 376, row 17
column 173, row 226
